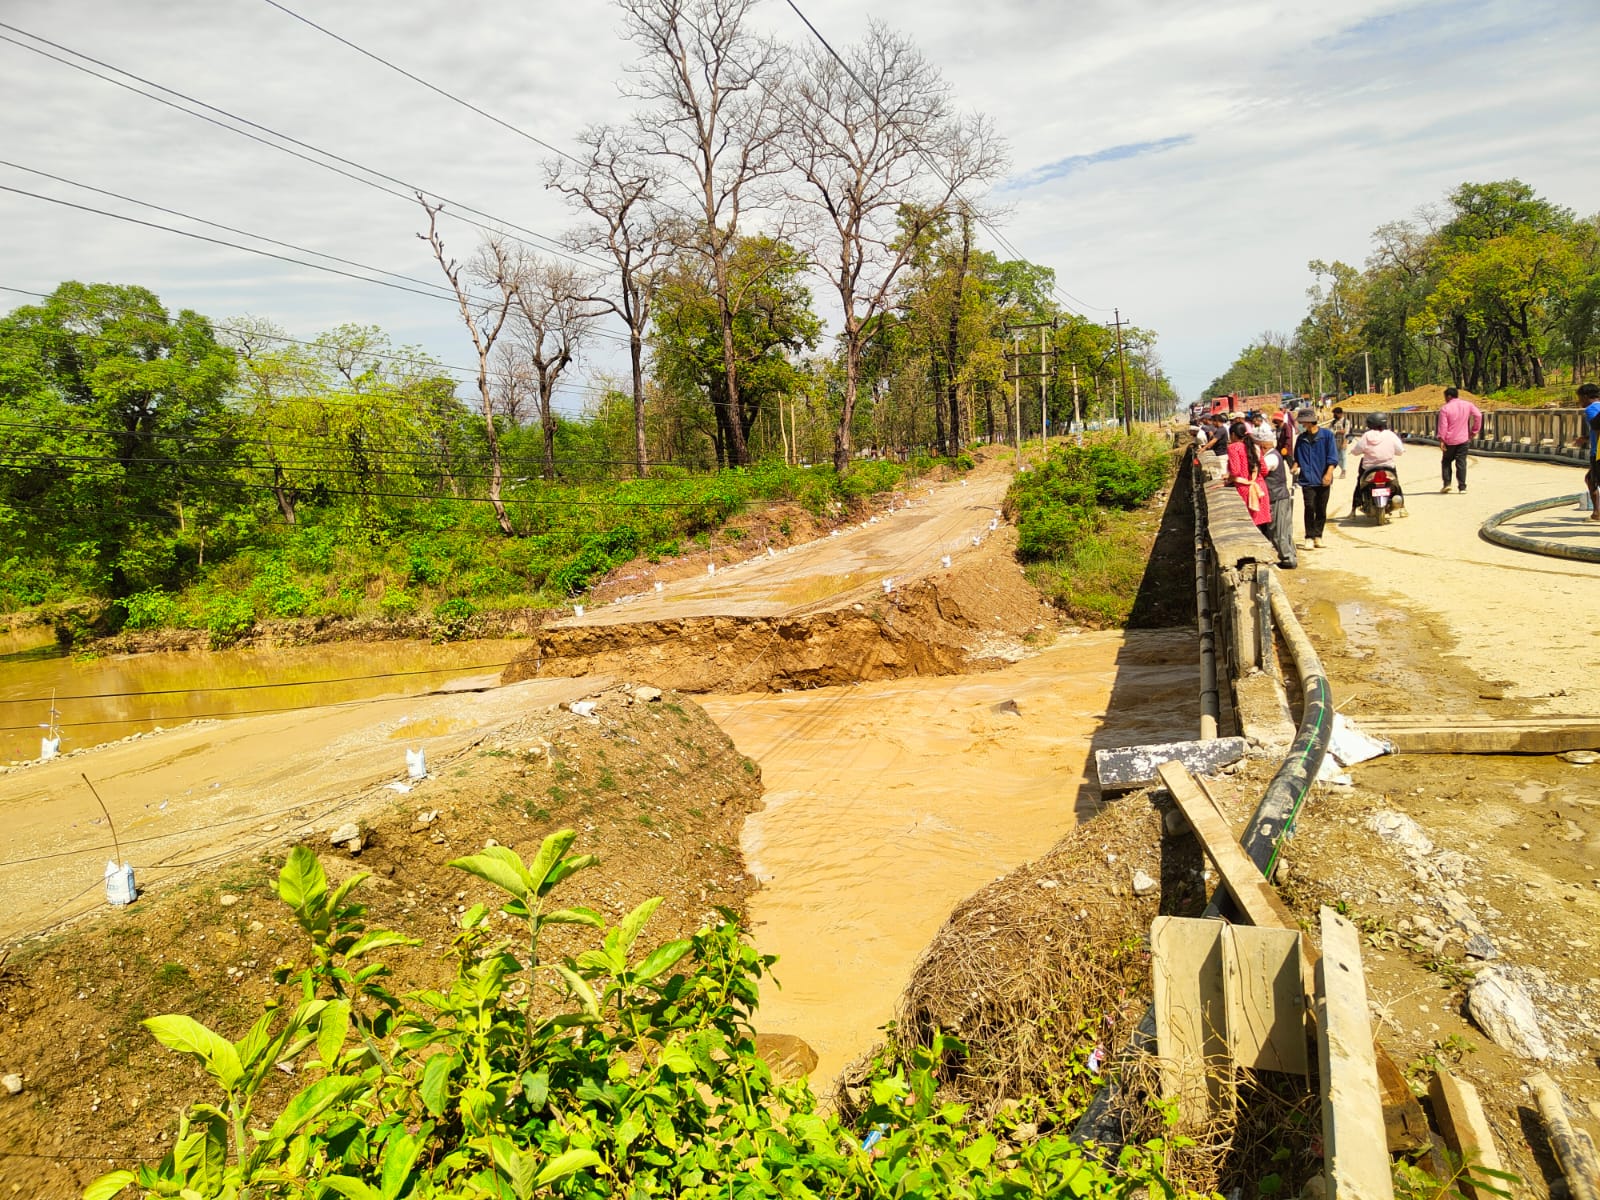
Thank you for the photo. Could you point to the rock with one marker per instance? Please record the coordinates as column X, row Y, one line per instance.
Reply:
column 227, row 900
column 1143, row 884
column 788, row 1056
column 1400, row 829
column 582, row 708
column 1006, row 708
column 12, row 1084
column 1480, row 947
column 1175, row 822
column 1501, row 1007
column 348, row 832
column 647, row 695
column 1582, row 758
column 424, row 819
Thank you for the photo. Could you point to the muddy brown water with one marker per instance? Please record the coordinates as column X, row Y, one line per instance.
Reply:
column 888, row 803
column 96, row 701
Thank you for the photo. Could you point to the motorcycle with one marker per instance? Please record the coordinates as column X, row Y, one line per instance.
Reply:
column 1378, row 495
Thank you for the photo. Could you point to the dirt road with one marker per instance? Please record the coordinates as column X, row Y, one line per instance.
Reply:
column 214, row 790
column 1527, row 622
column 931, row 522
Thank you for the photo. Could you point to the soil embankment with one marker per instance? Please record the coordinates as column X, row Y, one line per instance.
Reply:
column 654, row 789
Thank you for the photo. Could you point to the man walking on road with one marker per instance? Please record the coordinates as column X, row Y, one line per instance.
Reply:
column 1316, row 454
column 1459, row 422
column 1589, row 397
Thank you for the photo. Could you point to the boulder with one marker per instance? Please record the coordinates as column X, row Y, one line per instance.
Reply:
column 647, row 695
column 1502, row 1008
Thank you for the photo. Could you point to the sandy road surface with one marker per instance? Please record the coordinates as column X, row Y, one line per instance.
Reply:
column 1530, row 620
column 210, row 791
column 941, row 519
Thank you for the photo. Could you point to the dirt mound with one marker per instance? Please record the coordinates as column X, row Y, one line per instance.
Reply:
column 966, row 618
column 1050, row 962
column 1430, row 396
column 655, row 789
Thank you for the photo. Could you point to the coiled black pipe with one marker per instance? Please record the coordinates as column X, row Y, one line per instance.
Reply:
column 1491, row 531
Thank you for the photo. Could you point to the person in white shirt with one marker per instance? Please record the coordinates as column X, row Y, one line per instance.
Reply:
column 1379, row 446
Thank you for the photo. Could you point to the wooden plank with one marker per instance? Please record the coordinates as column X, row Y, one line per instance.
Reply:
column 1485, row 735
column 1461, row 1119
column 1404, row 1122
column 1355, row 1145
column 1257, row 899
column 1191, row 1015
column 1129, row 767
column 1575, row 1154
column 1266, row 999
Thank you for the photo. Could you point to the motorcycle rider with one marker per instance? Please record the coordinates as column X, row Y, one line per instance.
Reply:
column 1378, row 447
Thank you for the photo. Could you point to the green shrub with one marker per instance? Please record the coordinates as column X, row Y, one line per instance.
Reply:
column 452, row 618
column 644, row 1081
column 227, row 618
column 151, row 609
column 397, row 602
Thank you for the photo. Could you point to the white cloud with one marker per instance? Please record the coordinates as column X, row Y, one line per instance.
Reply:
column 1281, row 132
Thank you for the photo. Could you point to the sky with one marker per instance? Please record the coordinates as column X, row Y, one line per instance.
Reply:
column 1176, row 161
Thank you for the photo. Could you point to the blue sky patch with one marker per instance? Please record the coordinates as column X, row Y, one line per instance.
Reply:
column 1063, row 167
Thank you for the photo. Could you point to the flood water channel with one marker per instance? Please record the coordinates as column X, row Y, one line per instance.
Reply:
column 885, row 803
column 102, row 699
column 888, row 803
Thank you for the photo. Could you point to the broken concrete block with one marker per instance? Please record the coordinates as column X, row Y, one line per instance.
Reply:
column 1129, row 767
column 1501, row 1007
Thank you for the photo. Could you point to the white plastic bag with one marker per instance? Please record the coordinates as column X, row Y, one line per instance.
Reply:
column 416, row 764
column 120, row 888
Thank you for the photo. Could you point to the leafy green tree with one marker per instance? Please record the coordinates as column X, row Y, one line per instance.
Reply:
column 116, row 425
column 773, row 323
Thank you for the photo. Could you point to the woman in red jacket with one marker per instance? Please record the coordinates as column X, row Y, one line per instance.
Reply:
column 1247, row 474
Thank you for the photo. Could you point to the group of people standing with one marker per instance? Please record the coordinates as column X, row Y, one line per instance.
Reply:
column 1269, row 457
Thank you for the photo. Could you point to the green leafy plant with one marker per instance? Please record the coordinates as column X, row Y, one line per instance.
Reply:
column 615, row 1071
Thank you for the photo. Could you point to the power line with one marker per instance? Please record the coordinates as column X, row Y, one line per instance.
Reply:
column 173, row 212
column 248, row 687
column 200, row 237
column 552, row 246
column 425, row 455
column 377, row 58
column 509, row 499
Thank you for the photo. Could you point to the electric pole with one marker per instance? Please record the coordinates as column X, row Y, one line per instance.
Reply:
column 1122, row 363
column 1077, row 417
column 1016, row 392
column 1044, row 384
column 1046, row 357
column 1367, row 358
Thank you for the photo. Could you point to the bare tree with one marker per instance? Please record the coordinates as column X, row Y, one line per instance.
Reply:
column 497, row 267
column 620, row 188
column 881, row 158
column 515, row 389
column 556, row 316
column 710, row 85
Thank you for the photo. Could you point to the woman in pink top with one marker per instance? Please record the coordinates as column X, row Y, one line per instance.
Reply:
column 1248, row 475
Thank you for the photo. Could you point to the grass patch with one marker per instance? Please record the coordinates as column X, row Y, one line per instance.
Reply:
column 1082, row 528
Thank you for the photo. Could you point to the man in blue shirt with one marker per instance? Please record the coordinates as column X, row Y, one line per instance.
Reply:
column 1589, row 397
column 1316, row 454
